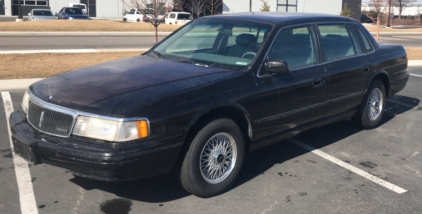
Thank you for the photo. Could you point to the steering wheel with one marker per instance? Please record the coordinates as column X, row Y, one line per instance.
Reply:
column 249, row 53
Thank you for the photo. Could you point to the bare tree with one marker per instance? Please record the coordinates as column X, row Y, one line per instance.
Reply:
column 197, row 6
column 213, row 5
column 401, row 5
column 379, row 7
column 179, row 4
column 154, row 11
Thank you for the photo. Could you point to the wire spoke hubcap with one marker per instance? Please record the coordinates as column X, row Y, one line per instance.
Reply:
column 218, row 158
column 375, row 104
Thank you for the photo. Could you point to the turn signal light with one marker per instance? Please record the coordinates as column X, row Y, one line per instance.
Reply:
column 142, row 129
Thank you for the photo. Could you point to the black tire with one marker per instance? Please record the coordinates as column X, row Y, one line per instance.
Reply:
column 138, row 20
column 125, row 20
column 362, row 118
column 191, row 176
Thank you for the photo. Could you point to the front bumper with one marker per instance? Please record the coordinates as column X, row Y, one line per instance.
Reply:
column 95, row 159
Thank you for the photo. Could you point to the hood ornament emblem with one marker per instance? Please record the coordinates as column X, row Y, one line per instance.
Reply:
column 41, row 119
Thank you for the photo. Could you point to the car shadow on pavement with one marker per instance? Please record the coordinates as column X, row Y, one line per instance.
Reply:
column 166, row 188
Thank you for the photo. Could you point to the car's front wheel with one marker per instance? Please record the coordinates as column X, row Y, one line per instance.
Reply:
column 372, row 108
column 214, row 159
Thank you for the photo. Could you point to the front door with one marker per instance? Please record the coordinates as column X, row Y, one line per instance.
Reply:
column 298, row 97
column 2, row 7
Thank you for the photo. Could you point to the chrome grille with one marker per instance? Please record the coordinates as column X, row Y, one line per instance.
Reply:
column 49, row 121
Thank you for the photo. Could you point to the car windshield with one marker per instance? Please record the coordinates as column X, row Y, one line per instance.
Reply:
column 182, row 16
column 42, row 13
column 222, row 43
column 77, row 11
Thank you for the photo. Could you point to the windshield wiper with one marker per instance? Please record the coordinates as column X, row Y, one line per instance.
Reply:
column 158, row 54
column 193, row 63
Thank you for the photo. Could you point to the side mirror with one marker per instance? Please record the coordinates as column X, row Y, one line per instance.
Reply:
column 277, row 66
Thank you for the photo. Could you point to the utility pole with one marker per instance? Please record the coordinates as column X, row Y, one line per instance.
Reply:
column 389, row 13
column 250, row 5
column 20, row 9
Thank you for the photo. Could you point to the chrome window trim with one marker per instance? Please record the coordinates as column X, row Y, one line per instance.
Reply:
column 314, row 24
column 75, row 113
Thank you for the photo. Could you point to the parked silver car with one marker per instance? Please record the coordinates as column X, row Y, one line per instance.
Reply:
column 40, row 14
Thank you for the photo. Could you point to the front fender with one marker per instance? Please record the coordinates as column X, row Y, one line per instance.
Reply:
column 216, row 106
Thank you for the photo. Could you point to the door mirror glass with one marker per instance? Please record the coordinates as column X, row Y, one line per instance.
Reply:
column 277, row 66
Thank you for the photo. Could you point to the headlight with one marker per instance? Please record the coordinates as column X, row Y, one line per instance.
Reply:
column 110, row 130
column 25, row 102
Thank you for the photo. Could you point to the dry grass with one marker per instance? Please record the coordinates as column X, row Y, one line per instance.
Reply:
column 20, row 66
column 373, row 28
column 414, row 53
column 107, row 25
column 83, row 25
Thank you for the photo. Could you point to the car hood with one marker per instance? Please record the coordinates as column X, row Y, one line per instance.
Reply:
column 104, row 87
column 44, row 17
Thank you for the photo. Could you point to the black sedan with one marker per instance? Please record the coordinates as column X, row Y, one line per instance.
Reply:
column 200, row 100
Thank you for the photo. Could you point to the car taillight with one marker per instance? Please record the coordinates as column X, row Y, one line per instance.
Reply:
column 175, row 22
column 143, row 18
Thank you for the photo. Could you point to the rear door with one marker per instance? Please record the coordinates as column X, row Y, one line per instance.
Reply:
column 292, row 99
column 347, row 67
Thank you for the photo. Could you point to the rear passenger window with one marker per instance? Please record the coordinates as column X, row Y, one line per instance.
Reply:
column 367, row 45
column 336, row 42
column 172, row 16
column 296, row 46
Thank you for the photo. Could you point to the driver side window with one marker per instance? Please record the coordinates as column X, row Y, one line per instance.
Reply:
column 296, row 46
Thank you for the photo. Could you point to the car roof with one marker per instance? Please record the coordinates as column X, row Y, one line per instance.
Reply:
column 42, row 9
column 72, row 7
column 279, row 17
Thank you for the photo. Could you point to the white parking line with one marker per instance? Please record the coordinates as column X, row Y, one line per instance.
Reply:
column 356, row 170
column 416, row 75
column 23, row 176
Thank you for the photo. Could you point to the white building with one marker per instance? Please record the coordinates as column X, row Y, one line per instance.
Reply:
column 333, row 7
column 411, row 11
column 95, row 8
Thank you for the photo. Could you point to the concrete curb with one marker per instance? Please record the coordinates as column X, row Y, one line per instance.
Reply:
column 130, row 33
column 71, row 51
column 21, row 84
column 415, row 63
column 17, row 84
column 82, row 33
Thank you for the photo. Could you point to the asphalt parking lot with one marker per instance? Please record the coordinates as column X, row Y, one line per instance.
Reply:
column 352, row 171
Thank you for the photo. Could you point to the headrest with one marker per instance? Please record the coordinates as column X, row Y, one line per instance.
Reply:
column 245, row 39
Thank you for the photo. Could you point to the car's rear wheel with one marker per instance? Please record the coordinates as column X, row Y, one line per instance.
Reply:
column 125, row 20
column 138, row 20
column 214, row 159
column 372, row 108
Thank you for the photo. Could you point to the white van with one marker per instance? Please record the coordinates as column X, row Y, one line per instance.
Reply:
column 135, row 15
column 178, row 18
